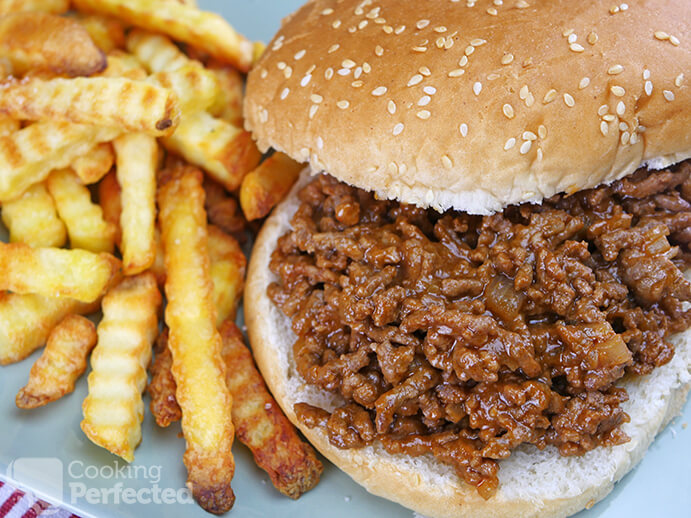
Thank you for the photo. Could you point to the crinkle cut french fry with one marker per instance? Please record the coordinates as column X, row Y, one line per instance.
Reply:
column 32, row 219
column 227, row 271
column 93, row 166
column 195, row 87
column 174, row 167
column 258, row 49
column 109, row 200
column 106, row 32
column 159, row 266
column 34, row 40
column 207, row 31
column 197, row 54
column 224, row 211
column 8, row 125
column 228, row 104
column 122, row 64
column 137, row 160
column 26, row 321
column 195, row 343
column 259, row 423
column 113, row 409
column 47, row 6
column 84, row 220
column 164, row 407
column 156, row 51
column 29, row 155
column 160, row 55
column 52, row 272
column 103, row 101
column 268, row 184
column 224, row 151
column 61, row 363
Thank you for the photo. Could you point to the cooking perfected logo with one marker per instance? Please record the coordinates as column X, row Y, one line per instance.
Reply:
column 110, row 484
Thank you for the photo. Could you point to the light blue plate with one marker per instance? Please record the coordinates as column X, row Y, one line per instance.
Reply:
column 46, row 451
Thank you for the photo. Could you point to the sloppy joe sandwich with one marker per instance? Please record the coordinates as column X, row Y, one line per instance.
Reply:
column 474, row 300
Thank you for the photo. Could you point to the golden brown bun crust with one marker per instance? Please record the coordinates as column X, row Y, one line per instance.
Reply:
column 338, row 83
column 533, row 484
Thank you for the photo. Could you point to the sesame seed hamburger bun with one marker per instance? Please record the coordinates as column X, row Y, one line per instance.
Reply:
column 476, row 106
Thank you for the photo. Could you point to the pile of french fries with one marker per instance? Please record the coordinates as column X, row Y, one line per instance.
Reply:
column 126, row 176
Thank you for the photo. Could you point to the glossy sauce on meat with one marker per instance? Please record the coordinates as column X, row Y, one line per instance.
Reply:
column 465, row 336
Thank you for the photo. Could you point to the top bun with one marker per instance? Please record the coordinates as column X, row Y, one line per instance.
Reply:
column 473, row 105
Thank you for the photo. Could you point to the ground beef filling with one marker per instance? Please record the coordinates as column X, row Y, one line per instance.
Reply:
column 465, row 336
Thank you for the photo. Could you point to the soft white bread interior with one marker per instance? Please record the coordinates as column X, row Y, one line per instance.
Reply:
column 472, row 105
column 533, row 483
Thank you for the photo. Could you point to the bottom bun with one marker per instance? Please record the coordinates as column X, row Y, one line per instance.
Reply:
column 532, row 483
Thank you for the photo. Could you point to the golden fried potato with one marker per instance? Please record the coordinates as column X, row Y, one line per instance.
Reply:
column 159, row 266
column 199, row 55
column 195, row 87
column 84, row 220
column 224, row 151
column 223, row 210
column 93, row 166
column 103, row 101
column 8, row 125
column 268, row 184
column 228, row 265
column 174, row 167
column 61, row 363
column 195, row 343
column 137, row 160
column 164, row 406
column 109, row 200
column 123, row 64
column 27, row 320
column 46, row 6
column 113, row 409
column 227, row 270
column 34, row 40
column 259, row 423
column 32, row 219
column 228, row 104
column 156, row 51
column 30, row 154
column 207, row 31
column 258, row 49
column 106, row 32
column 56, row 272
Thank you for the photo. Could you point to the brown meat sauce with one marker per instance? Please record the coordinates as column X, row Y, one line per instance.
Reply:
column 465, row 336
